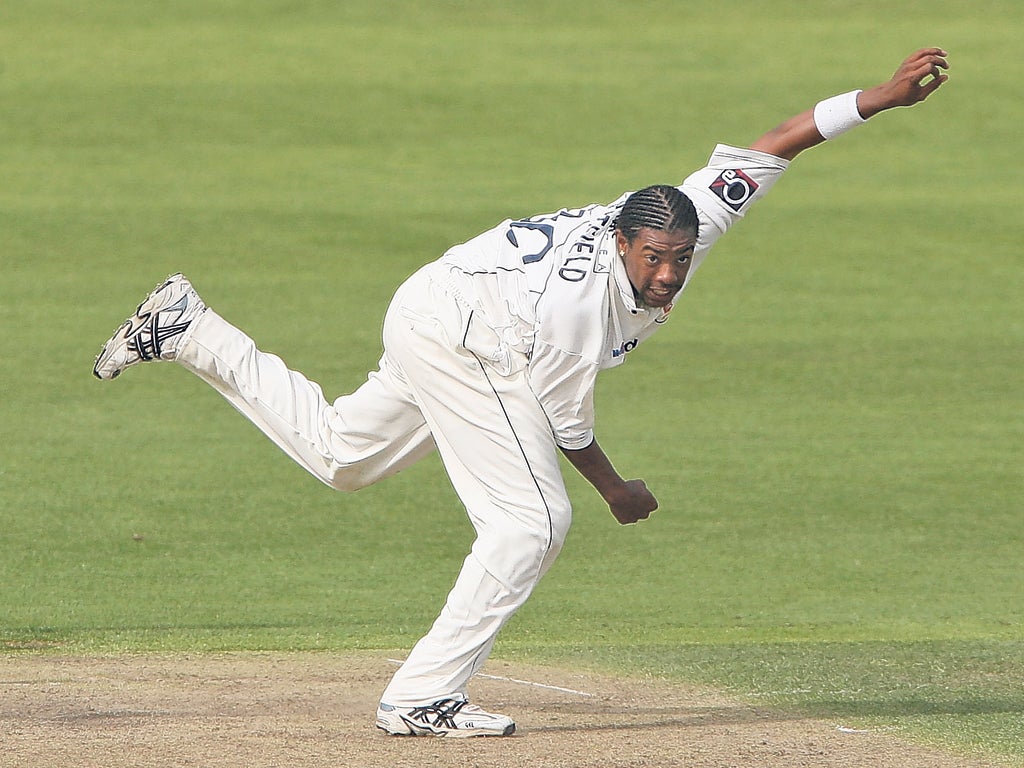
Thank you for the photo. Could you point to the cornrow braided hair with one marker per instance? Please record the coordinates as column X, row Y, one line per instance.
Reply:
column 661, row 207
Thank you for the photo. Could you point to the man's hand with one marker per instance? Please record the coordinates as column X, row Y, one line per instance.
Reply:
column 917, row 78
column 634, row 503
column 629, row 500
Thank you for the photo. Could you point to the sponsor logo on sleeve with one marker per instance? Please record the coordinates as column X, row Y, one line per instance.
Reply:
column 734, row 187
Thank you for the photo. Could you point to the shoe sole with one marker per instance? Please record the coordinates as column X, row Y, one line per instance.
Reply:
column 453, row 733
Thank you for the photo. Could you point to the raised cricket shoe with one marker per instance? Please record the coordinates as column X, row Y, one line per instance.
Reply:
column 155, row 332
column 454, row 718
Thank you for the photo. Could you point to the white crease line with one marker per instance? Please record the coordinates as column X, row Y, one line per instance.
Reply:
column 536, row 685
column 522, row 682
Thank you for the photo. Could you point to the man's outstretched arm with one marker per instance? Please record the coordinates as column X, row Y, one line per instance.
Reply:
column 917, row 78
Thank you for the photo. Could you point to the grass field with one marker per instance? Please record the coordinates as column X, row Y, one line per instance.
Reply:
column 833, row 421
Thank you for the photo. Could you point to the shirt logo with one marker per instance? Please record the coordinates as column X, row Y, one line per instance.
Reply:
column 734, row 187
column 626, row 346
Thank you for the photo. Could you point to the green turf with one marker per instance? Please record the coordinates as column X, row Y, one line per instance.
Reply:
column 833, row 420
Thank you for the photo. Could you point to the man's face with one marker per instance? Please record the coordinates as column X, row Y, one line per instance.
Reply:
column 657, row 263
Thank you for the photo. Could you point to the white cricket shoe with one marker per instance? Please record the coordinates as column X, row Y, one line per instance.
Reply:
column 454, row 718
column 155, row 332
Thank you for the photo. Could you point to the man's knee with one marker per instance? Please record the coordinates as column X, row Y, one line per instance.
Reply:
column 517, row 554
column 346, row 479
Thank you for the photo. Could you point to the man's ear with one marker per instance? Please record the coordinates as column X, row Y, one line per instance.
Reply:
column 621, row 243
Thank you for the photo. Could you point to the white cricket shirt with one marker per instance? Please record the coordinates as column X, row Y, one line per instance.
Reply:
column 550, row 293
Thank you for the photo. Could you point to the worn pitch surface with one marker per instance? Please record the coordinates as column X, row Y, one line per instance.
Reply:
column 317, row 710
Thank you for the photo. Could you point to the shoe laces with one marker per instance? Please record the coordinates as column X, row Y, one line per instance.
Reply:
column 442, row 711
column 156, row 330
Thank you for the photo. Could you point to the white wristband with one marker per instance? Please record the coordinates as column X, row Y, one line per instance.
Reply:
column 837, row 115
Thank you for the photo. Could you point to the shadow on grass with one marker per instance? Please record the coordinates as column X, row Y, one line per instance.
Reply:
column 631, row 717
column 899, row 707
column 646, row 718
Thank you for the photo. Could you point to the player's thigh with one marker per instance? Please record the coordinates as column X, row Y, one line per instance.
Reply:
column 376, row 414
column 490, row 428
column 376, row 431
column 493, row 429
column 487, row 422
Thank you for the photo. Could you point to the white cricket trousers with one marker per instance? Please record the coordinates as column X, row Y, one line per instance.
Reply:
column 490, row 430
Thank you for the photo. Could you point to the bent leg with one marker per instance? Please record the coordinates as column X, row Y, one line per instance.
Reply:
column 373, row 432
column 497, row 447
